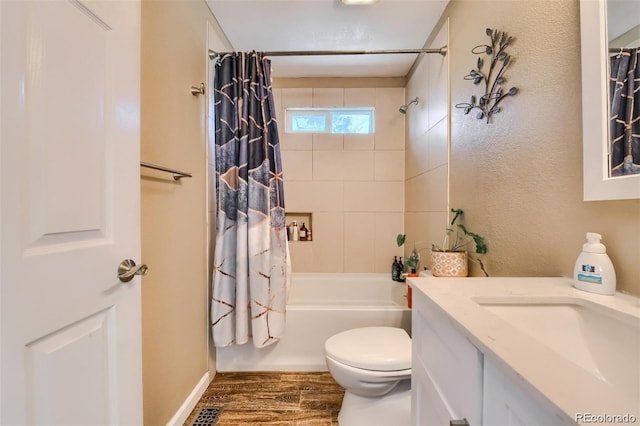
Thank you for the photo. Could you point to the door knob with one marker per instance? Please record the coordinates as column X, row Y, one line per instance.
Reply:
column 128, row 269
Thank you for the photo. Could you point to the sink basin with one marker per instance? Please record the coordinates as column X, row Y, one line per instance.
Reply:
column 603, row 341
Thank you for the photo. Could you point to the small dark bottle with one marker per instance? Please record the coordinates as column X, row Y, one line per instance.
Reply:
column 304, row 233
column 401, row 268
column 395, row 269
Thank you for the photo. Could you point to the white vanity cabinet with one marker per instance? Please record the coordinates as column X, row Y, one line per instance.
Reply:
column 446, row 369
column 522, row 351
column 452, row 380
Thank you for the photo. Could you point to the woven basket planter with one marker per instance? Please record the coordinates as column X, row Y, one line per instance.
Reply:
column 449, row 264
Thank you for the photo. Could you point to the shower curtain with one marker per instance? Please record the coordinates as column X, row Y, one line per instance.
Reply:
column 625, row 113
column 251, row 266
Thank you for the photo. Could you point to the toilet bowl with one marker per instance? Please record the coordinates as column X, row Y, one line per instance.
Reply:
column 373, row 364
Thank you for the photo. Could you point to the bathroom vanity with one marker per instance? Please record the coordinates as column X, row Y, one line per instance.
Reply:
column 522, row 351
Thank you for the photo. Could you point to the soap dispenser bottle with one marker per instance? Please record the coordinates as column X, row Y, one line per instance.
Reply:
column 594, row 271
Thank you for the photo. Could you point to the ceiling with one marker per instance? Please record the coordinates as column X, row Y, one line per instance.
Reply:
column 277, row 25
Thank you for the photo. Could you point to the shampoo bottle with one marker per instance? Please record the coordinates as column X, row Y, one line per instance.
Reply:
column 594, row 271
column 395, row 269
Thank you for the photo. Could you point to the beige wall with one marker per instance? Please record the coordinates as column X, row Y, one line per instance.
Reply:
column 174, row 294
column 352, row 184
column 519, row 179
column 427, row 154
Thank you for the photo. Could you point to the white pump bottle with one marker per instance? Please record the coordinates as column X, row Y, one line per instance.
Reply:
column 594, row 271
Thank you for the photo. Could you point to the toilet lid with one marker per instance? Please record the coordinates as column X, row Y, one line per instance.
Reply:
column 371, row 348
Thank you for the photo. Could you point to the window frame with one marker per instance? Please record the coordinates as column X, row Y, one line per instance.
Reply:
column 328, row 113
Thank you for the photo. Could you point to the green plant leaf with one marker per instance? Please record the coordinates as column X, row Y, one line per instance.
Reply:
column 400, row 239
column 481, row 246
column 457, row 213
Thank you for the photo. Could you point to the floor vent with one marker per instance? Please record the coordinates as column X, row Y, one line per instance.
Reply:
column 207, row 416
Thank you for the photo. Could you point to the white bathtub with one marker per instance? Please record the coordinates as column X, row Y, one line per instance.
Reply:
column 321, row 305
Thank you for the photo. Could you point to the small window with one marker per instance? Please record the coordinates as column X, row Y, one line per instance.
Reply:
column 330, row 120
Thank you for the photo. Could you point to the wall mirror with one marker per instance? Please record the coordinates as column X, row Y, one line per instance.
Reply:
column 598, row 185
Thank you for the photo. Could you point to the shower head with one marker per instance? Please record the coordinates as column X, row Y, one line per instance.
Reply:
column 403, row 109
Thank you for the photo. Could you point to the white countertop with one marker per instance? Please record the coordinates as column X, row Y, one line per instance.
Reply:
column 564, row 386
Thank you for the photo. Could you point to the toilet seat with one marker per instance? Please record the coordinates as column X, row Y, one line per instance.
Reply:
column 371, row 348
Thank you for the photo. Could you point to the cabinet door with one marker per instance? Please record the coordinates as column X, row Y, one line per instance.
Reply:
column 427, row 406
column 507, row 403
column 451, row 364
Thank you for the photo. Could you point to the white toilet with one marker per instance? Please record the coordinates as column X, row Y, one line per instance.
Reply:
column 373, row 364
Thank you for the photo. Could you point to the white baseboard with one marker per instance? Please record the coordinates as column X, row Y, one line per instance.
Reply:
column 187, row 406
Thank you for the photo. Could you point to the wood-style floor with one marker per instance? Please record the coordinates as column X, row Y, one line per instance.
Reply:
column 273, row 398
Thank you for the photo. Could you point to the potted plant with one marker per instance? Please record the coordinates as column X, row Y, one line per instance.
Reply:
column 450, row 259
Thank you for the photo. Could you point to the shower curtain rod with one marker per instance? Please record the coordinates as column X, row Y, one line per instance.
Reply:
column 442, row 51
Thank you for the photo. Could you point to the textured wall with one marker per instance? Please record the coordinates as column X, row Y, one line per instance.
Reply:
column 519, row 179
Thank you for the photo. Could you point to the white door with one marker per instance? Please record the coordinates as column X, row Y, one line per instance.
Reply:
column 69, row 194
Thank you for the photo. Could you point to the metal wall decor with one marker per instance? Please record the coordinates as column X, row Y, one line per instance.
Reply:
column 493, row 78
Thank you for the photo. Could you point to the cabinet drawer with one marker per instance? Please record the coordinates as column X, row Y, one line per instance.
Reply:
column 452, row 363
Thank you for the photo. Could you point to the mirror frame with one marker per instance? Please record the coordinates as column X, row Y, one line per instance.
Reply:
column 597, row 185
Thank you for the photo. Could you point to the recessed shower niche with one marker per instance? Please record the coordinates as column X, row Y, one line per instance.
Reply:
column 303, row 221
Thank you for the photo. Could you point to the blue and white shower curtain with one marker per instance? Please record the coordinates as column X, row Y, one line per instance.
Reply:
column 251, row 265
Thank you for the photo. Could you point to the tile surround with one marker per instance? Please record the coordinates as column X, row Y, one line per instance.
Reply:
column 299, row 165
column 323, row 97
column 427, row 152
column 359, row 250
column 359, row 142
column 358, row 165
column 327, row 142
column 357, row 97
column 313, row 196
column 388, row 165
column 387, row 227
column 416, row 155
column 435, row 199
column 353, row 184
column 373, row 196
column 438, row 147
column 328, row 242
column 297, row 98
column 294, row 142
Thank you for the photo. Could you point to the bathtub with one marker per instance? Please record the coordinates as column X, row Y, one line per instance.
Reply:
column 319, row 306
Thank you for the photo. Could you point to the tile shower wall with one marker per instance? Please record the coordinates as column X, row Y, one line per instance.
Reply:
column 352, row 184
column 427, row 152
